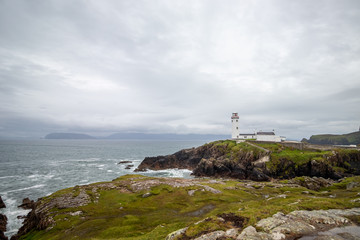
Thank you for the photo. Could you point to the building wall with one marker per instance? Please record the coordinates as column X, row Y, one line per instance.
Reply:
column 268, row 138
column 247, row 136
column 235, row 128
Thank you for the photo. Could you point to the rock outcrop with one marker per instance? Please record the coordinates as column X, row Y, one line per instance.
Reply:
column 184, row 159
column 3, row 222
column 39, row 218
column 299, row 223
column 2, row 204
column 213, row 159
column 224, row 167
column 27, row 204
column 250, row 161
column 294, row 225
column 314, row 183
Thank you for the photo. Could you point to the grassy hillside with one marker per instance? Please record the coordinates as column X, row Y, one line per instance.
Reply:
column 138, row 207
column 344, row 139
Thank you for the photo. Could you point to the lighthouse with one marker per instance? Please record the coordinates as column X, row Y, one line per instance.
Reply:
column 235, row 126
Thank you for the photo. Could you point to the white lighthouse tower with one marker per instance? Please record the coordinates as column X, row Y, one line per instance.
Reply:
column 235, row 126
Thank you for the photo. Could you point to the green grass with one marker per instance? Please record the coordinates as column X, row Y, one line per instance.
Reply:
column 299, row 157
column 119, row 215
column 236, row 151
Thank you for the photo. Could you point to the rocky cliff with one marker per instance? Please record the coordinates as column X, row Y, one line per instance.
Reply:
column 218, row 159
column 256, row 161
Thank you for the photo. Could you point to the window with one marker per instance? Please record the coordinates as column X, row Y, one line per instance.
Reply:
column 237, row 127
column 245, row 136
column 236, row 120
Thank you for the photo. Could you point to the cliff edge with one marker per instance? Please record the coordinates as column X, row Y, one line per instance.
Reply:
column 258, row 161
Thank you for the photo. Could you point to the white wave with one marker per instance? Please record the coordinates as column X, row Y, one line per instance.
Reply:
column 80, row 160
column 27, row 188
column 9, row 201
column 9, row 176
column 175, row 173
column 40, row 176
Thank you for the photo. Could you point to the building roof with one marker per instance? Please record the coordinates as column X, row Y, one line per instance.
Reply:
column 246, row 134
column 265, row 133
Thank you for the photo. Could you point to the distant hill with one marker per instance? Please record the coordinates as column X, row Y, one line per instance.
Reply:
column 68, row 136
column 140, row 136
column 168, row 136
column 344, row 139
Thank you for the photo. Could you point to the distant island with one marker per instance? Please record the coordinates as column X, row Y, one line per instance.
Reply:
column 331, row 139
column 68, row 136
column 139, row 136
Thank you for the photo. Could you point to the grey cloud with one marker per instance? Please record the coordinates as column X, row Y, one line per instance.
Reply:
column 179, row 66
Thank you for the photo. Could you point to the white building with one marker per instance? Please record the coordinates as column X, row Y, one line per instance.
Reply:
column 235, row 126
column 258, row 136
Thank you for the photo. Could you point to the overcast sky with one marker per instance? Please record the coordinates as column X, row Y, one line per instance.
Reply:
column 151, row 66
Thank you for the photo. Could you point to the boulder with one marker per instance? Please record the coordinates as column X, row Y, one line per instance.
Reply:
column 175, row 234
column 2, row 204
column 212, row 236
column 231, row 233
column 124, row 162
column 3, row 222
column 27, row 204
column 312, row 183
column 250, row 233
column 129, row 166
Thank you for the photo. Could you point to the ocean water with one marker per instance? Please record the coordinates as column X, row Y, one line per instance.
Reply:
column 38, row 168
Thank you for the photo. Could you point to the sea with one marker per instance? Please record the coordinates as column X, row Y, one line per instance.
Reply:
column 38, row 168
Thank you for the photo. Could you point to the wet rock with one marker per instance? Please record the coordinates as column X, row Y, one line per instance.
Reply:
column 2, row 204
column 27, row 204
column 3, row 222
column 124, row 162
column 129, row 166
column 212, row 236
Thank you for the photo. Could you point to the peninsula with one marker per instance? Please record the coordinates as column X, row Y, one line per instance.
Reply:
column 298, row 192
